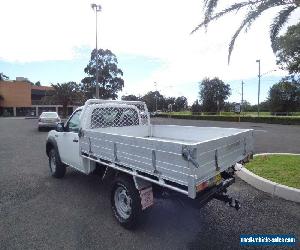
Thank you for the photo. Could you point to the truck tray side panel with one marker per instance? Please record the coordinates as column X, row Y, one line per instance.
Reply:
column 161, row 159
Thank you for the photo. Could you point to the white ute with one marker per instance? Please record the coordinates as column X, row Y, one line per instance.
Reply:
column 116, row 139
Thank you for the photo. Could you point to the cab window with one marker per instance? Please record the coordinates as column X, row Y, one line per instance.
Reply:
column 114, row 117
column 74, row 122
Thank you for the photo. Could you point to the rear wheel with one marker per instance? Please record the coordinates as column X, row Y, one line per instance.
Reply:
column 57, row 168
column 126, row 202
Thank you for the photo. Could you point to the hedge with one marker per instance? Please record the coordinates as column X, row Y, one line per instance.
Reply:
column 263, row 119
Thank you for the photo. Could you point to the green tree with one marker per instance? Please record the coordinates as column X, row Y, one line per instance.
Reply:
column 287, row 50
column 254, row 8
column 154, row 100
column 130, row 98
column 110, row 76
column 3, row 77
column 196, row 107
column 213, row 93
column 229, row 106
column 246, row 106
column 180, row 103
column 38, row 83
column 65, row 94
column 170, row 101
column 284, row 96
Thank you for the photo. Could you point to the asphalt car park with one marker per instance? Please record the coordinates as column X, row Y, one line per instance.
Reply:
column 41, row 212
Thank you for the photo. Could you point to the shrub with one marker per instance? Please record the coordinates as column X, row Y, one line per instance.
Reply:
column 264, row 119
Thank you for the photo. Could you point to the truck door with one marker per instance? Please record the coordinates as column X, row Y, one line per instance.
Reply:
column 68, row 142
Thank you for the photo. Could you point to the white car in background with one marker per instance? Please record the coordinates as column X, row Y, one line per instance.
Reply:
column 48, row 120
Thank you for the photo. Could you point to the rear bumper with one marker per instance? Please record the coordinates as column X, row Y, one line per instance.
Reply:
column 208, row 194
column 247, row 158
column 47, row 125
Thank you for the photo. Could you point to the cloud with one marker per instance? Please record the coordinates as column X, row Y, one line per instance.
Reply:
column 42, row 30
column 37, row 30
column 204, row 54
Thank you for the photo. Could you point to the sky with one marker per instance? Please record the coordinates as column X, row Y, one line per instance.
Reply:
column 51, row 41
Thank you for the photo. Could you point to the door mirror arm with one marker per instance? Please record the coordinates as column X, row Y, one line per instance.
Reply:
column 80, row 133
column 60, row 127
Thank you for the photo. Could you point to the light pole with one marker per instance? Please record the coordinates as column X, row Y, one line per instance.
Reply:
column 242, row 106
column 155, row 84
column 96, row 8
column 258, row 94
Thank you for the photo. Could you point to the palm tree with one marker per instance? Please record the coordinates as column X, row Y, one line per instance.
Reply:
column 3, row 77
column 66, row 94
column 255, row 8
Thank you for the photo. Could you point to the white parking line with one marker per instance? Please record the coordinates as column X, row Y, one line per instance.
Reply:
column 260, row 130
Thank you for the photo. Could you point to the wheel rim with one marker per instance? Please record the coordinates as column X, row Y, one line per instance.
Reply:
column 52, row 164
column 122, row 202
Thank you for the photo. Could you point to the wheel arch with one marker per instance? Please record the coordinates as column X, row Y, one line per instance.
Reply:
column 138, row 182
column 50, row 144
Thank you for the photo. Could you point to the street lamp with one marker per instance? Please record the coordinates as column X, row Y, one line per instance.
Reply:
column 258, row 94
column 242, row 106
column 259, row 78
column 155, row 84
column 96, row 8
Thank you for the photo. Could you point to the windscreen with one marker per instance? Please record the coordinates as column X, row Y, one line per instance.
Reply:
column 49, row 115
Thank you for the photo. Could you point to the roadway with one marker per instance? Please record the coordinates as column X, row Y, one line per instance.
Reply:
column 40, row 212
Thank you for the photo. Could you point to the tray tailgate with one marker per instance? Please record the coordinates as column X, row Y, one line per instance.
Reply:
column 218, row 155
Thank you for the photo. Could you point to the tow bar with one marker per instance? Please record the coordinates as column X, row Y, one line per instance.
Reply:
column 217, row 192
column 232, row 202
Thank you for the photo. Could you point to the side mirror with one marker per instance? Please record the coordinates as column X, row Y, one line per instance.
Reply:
column 80, row 133
column 60, row 127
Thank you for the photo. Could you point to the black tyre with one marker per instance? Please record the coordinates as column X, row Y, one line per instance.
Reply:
column 57, row 168
column 126, row 202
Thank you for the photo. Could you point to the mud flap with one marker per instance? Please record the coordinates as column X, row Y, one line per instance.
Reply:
column 146, row 192
column 146, row 197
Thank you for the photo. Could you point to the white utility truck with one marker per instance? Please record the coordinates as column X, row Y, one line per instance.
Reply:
column 116, row 139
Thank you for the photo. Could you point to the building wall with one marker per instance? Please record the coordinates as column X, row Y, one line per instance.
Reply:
column 17, row 94
column 17, row 100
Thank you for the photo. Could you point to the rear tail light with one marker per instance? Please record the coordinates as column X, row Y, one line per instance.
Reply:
column 201, row 186
column 216, row 180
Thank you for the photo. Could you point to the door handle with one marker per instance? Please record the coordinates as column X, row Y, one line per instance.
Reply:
column 75, row 140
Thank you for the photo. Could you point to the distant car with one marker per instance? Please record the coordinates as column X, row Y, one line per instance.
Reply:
column 48, row 120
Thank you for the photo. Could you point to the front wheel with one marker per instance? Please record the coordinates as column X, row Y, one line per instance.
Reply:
column 126, row 202
column 57, row 168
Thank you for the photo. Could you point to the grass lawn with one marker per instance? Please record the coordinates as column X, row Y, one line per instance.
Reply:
column 283, row 169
